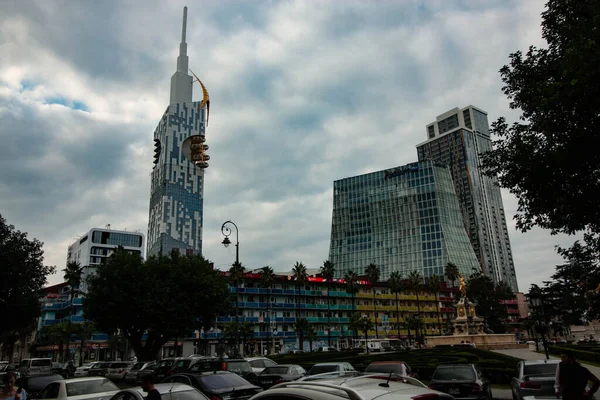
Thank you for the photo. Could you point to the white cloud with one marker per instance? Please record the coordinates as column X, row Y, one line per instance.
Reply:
column 302, row 94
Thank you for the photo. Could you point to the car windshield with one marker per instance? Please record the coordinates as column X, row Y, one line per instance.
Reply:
column 100, row 365
column 540, row 369
column 183, row 395
column 3, row 367
column 206, row 365
column 222, row 381
column 321, row 369
column 165, row 363
column 137, row 366
column 239, row 366
column 462, row 373
column 386, row 368
column 39, row 382
column 275, row 370
column 182, row 363
column 88, row 387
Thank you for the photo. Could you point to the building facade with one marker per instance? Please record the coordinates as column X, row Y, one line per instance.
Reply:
column 177, row 184
column 273, row 312
column 94, row 247
column 401, row 219
column 456, row 139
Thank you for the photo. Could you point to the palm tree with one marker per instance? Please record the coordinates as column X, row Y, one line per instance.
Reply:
column 328, row 272
column 300, row 326
column 58, row 333
column 395, row 283
column 373, row 273
column 300, row 277
column 452, row 273
column 73, row 278
column 350, row 277
column 267, row 278
column 84, row 331
column 311, row 336
column 236, row 274
column 435, row 283
column 247, row 333
column 364, row 324
column 415, row 281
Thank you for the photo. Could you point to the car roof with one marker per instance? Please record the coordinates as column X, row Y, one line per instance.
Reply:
column 203, row 373
column 387, row 362
column 163, row 388
column 330, row 363
column 258, row 358
column 82, row 379
column 538, row 362
column 448, row 366
column 362, row 387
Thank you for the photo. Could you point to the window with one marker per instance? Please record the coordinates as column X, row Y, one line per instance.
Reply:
column 50, row 391
column 178, row 379
column 270, row 363
column 89, row 387
column 218, row 381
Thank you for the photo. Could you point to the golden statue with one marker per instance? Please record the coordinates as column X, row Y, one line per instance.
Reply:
column 463, row 286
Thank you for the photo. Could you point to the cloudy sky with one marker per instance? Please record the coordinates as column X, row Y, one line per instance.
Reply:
column 302, row 93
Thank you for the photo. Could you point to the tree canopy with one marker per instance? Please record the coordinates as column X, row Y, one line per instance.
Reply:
column 22, row 278
column 549, row 158
column 164, row 297
column 488, row 299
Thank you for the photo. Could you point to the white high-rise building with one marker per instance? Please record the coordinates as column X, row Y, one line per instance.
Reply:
column 94, row 247
column 177, row 184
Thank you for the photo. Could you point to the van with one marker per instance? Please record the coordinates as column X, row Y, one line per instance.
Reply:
column 35, row 366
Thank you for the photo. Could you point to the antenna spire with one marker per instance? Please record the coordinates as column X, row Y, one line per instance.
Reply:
column 183, row 28
column 181, row 82
column 182, row 60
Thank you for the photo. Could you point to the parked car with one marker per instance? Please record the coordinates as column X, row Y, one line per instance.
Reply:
column 217, row 385
column 83, row 370
column 462, row 381
column 237, row 366
column 118, row 369
column 132, row 375
column 260, row 363
column 6, row 367
column 93, row 388
column 34, row 383
column 534, row 378
column 168, row 391
column 281, row 373
column 164, row 368
column 333, row 368
column 396, row 367
column 366, row 387
column 99, row 369
column 33, row 366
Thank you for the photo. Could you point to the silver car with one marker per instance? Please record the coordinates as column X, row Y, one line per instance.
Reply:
column 118, row 369
column 168, row 391
column 534, row 378
column 133, row 374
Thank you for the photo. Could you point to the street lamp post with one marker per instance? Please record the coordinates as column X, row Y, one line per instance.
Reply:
column 537, row 301
column 226, row 231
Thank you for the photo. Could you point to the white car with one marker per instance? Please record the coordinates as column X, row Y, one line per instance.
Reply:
column 366, row 387
column 92, row 388
column 258, row 364
column 83, row 370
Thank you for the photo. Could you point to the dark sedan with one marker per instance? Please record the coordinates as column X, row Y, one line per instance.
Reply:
column 462, row 381
column 217, row 385
column 282, row 373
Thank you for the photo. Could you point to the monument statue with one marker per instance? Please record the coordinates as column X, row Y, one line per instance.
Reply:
column 463, row 286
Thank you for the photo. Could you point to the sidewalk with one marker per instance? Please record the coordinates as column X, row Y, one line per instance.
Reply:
column 525, row 354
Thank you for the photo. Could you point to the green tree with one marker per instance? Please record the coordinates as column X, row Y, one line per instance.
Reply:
column 415, row 282
column 22, row 278
column 59, row 334
column 73, row 278
column 435, row 284
column 451, row 273
column 328, row 272
column 300, row 327
column 395, row 283
column 247, row 334
column 373, row 274
column 351, row 278
column 267, row 279
column 300, row 278
column 488, row 298
column 364, row 324
column 165, row 297
column 311, row 336
column 84, row 331
column 236, row 275
column 548, row 159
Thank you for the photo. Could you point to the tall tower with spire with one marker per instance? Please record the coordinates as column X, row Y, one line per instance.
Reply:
column 177, row 184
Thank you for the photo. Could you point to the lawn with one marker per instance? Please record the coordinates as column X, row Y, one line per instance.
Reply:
column 498, row 368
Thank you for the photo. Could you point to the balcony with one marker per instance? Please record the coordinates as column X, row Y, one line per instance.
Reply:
column 49, row 322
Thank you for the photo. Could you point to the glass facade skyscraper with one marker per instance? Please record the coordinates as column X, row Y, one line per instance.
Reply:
column 456, row 139
column 177, row 185
column 401, row 219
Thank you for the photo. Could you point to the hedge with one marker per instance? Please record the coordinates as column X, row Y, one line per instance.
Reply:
column 498, row 368
column 582, row 353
